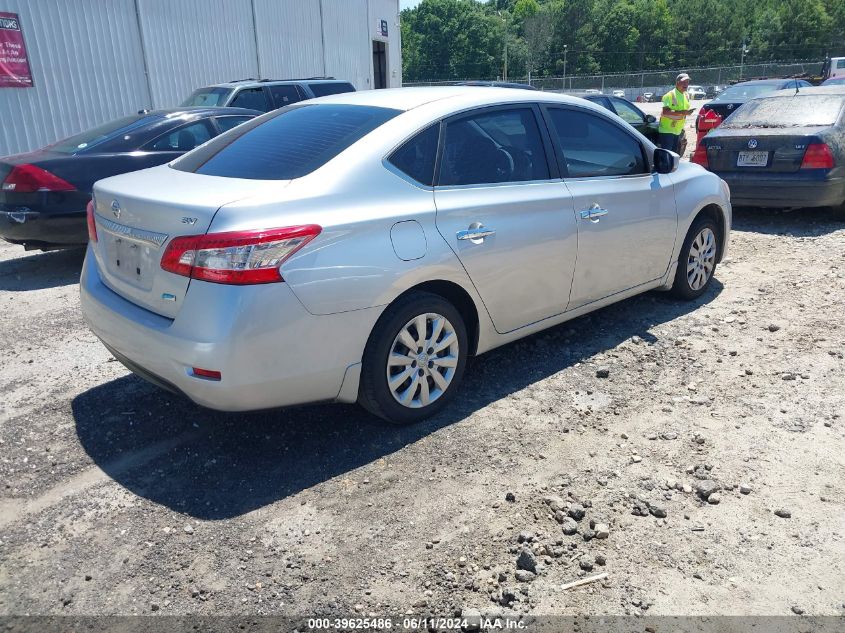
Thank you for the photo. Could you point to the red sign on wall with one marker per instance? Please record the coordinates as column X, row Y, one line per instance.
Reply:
column 14, row 66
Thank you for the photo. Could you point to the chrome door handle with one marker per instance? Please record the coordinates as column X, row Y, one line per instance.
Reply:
column 593, row 213
column 476, row 234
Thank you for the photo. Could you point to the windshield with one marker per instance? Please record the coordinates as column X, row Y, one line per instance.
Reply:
column 207, row 97
column 795, row 111
column 289, row 143
column 90, row 138
column 743, row 93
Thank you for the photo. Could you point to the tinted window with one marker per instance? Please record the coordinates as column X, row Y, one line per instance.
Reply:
column 284, row 95
column 251, row 98
column 628, row 113
column 207, row 97
column 226, row 123
column 97, row 135
column 183, row 139
column 840, row 63
column 288, row 144
column 416, row 157
column 593, row 146
column 498, row 146
column 321, row 90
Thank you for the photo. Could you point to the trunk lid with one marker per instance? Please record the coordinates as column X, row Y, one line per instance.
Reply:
column 137, row 215
column 775, row 150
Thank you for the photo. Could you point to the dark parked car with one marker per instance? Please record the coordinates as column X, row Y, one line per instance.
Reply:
column 496, row 84
column 786, row 149
column 711, row 92
column 43, row 194
column 711, row 115
column 266, row 94
column 645, row 124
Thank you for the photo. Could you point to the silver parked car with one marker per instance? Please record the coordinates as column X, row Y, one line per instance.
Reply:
column 359, row 247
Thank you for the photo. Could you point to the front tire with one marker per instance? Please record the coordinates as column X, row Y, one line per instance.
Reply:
column 414, row 359
column 697, row 260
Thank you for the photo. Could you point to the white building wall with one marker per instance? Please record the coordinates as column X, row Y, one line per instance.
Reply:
column 290, row 40
column 194, row 43
column 97, row 60
column 388, row 10
column 81, row 77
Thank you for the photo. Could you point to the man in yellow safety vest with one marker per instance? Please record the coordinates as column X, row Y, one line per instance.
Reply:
column 676, row 108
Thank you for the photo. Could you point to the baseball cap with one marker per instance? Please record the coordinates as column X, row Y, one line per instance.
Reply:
column 682, row 77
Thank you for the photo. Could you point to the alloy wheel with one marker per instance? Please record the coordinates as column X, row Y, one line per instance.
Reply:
column 701, row 259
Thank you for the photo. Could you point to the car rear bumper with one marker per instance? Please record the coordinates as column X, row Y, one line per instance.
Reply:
column 23, row 225
column 779, row 190
column 270, row 351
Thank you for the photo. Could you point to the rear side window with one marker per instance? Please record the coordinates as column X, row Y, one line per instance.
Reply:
column 250, row 98
column 593, row 146
column 183, row 139
column 289, row 144
column 494, row 146
column 321, row 90
column 226, row 123
column 285, row 95
column 417, row 156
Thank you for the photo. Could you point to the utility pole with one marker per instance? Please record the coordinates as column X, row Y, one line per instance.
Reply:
column 745, row 49
column 565, row 50
column 505, row 22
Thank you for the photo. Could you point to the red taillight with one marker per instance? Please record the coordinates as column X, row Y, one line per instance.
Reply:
column 92, row 225
column 818, row 156
column 239, row 257
column 700, row 156
column 707, row 120
column 208, row 374
column 29, row 178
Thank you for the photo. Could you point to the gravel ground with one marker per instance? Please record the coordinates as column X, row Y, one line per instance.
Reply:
column 703, row 474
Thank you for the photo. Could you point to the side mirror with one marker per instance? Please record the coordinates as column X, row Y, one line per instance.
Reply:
column 649, row 118
column 665, row 162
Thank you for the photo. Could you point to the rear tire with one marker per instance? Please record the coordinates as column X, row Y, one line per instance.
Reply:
column 414, row 359
column 697, row 260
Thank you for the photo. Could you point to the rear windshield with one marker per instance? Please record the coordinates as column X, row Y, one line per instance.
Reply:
column 207, row 97
column 743, row 93
column 793, row 111
column 321, row 90
column 285, row 144
column 95, row 136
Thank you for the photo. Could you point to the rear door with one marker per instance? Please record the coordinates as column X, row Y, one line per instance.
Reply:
column 251, row 99
column 285, row 94
column 505, row 214
column 626, row 215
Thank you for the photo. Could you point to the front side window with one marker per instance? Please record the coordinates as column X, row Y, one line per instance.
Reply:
column 416, row 157
column 284, row 95
column 493, row 146
column 183, row 139
column 250, row 98
column 594, row 146
column 287, row 143
column 628, row 113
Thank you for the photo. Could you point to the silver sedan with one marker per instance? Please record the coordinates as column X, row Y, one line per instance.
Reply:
column 360, row 247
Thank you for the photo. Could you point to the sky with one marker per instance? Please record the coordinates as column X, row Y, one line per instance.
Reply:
column 408, row 4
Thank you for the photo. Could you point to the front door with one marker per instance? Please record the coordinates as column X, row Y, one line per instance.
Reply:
column 509, row 221
column 626, row 215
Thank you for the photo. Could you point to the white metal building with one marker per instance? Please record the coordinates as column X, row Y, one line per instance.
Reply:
column 96, row 60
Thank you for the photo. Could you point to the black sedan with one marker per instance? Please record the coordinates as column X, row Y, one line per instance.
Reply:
column 786, row 149
column 713, row 113
column 645, row 124
column 43, row 194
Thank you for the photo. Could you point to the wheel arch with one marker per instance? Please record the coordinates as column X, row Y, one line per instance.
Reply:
column 714, row 212
column 458, row 297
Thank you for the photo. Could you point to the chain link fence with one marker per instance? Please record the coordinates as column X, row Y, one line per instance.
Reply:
column 654, row 81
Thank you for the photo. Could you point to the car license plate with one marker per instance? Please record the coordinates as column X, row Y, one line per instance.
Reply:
column 125, row 257
column 752, row 159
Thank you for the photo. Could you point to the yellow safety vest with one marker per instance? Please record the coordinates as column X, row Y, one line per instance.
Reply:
column 676, row 101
